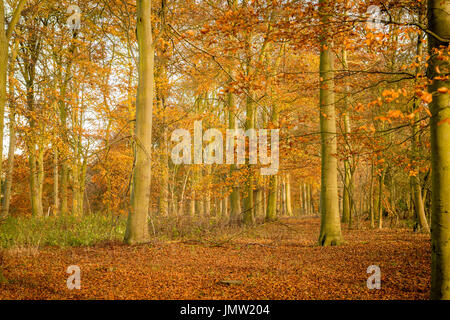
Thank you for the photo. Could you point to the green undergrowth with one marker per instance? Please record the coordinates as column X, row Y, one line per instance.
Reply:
column 60, row 231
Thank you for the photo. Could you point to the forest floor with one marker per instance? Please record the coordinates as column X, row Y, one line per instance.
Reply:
column 280, row 260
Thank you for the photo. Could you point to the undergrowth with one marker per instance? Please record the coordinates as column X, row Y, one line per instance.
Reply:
column 60, row 231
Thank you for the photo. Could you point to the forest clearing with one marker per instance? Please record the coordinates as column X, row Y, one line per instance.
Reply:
column 271, row 261
column 225, row 150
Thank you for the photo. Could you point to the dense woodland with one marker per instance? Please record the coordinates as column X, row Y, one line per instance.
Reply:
column 358, row 90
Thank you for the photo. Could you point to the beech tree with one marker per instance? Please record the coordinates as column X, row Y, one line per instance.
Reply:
column 330, row 226
column 6, row 31
column 439, row 68
column 137, row 226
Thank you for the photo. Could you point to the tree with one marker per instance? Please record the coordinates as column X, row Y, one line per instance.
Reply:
column 415, row 178
column 271, row 211
column 12, row 133
column 6, row 31
column 439, row 67
column 330, row 226
column 137, row 225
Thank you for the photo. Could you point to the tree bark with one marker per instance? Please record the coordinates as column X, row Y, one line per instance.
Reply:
column 288, row 195
column 12, row 134
column 415, row 180
column 137, row 225
column 330, row 227
column 271, row 210
column 6, row 31
column 439, row 24
column 380, row 198
column 235, row 201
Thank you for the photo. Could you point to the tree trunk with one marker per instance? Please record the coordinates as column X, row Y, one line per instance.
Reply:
column 208, row 192
column 288, row 196
column 225, row 207
column 308, row 198
column 40, row 177
column 161, row 98
column 271, row 210
column 330, row 227
column 235, row 201
column 305, row 198
column 55, row 181
column 12, row 135
column 311, row 197
column 346, row 201
column 5, row 34
column 34, row 187
column 371, row 204
column 283, row 195
column 439, row 24
column 259, row 202
column 380, row 198
column 137, row 226
column 249, row 201
column 415, row 181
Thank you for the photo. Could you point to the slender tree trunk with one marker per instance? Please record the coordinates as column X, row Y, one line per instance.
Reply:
column 249, row 201
column 308, row 199
column 280, row 196
column 34, row 189
column 137, row 225
column 380, row 198
column 164, row 186
column 191, row 211
column 164, row 191
column 371, row 199
column 311, row 197
column 34, row 155
column 40, row 178
column 330, row 227
column 439, row 24
column 199, row 202
column 415, row 181
column 225, row 207
column 301, row 205
column 10, row 162
column 346, row 201
column 64, row 153
column 283, row 195
column 82, row 186
column 192, row 206
column 288, row 195
column 6, row 31
column 271, row 211
column 55, row 181
column 305, row 199
column 208, row 192
column 259, row 202
column 12, row 135
column 235, row 201
column 3, row 74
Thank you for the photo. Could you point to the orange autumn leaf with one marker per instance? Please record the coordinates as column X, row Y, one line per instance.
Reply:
column 443, row 90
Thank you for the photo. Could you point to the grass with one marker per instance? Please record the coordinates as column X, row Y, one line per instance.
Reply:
column 60, row 231
column 88, row 230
